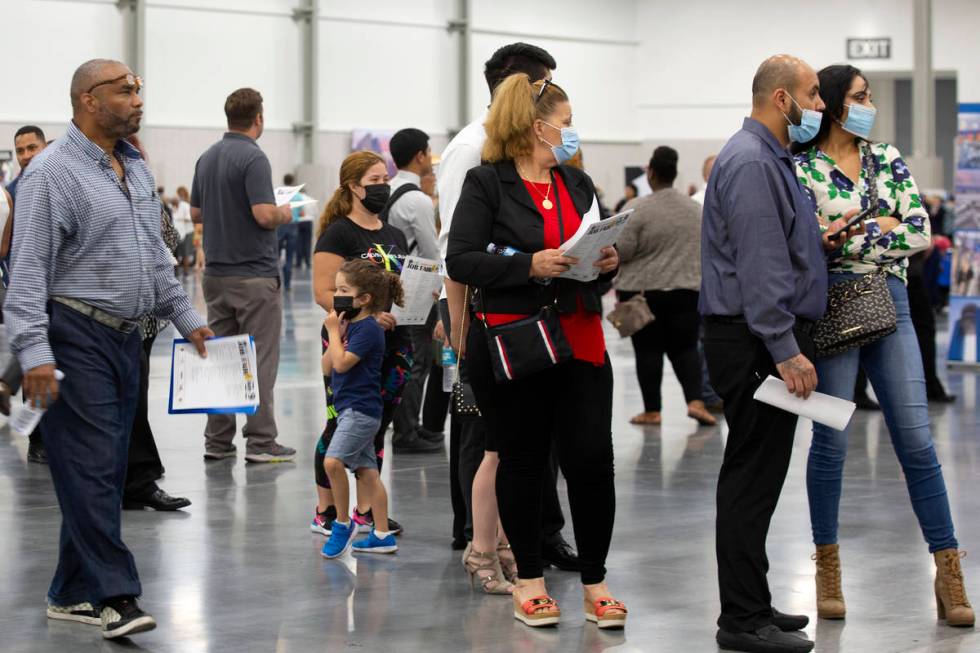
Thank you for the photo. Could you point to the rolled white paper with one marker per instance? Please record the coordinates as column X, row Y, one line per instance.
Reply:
column 831, row 411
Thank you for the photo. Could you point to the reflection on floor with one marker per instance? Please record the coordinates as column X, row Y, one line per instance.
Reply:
column 240, row 571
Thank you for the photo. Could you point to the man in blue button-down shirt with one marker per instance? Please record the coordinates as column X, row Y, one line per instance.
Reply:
column 764, row 283
column 88, row 262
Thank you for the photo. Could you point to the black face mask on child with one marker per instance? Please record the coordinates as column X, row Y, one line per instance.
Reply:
column 344, row 305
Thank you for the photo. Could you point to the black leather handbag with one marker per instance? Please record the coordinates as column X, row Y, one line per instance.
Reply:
column 859, row 311
column 529, row 345
column 463, row 402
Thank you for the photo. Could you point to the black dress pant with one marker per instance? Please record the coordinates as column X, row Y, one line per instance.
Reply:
column 757, row 455
column 674, row 332
column 435, row 406
column 144, row 468
column 570, row 403
column 924, row 322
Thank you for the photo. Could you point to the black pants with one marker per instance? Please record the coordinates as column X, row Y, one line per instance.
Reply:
column 924, row 322
column 435, row 406
column 674, row 333
column 144, row 468
column 406, row 420
column 570, row 403
column 757, row 455
column 304, row 243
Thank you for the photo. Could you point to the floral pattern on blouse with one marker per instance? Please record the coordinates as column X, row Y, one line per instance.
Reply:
column 834, row 194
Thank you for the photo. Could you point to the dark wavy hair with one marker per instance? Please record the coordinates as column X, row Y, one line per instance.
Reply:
column 835, row 82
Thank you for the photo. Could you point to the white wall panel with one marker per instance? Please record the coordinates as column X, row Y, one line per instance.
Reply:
column 424, row 12
column 386, row 77
column 597, row 77
column 571, row 19
column 43, row 43
column 194, row 60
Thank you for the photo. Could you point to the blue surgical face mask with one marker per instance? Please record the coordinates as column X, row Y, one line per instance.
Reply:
column 860, row 120
column 809, row 125
column 569, row 143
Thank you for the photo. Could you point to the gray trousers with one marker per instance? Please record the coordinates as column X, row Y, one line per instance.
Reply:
column 252, row 305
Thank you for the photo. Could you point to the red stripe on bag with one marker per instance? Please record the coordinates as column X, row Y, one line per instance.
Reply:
column 550, row 346
column 503, row 358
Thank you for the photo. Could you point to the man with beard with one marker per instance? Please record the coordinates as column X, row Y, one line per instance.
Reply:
column 88, row 262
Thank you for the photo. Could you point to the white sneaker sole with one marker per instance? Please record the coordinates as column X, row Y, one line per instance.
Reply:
column 319, row 530
column 141, row 625
column 376, row 549
column 66, row 616
column 269, row 458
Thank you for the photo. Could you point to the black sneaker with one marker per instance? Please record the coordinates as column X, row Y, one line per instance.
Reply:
column 789, row 622
column 768, row 639
column 365, row 523
column 123, row 617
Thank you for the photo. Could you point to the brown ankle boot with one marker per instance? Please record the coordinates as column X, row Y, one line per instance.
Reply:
column 951, row 601
column 830, row 599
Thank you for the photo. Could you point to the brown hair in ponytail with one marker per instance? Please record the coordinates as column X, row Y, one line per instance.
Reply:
column 384, row 287
column 517, row 103
column 352, row 170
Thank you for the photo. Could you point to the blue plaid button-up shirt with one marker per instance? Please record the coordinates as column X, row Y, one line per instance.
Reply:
column 80, row 232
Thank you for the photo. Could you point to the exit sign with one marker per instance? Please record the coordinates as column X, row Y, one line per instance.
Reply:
column 878, row 48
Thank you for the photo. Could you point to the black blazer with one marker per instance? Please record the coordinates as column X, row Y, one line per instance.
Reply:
column 495, row 207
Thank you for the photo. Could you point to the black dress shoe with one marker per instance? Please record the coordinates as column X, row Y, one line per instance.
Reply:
column 789, row 622
column 158, row 500
column 414, row 444
column 768, row 639
column 431, row 436
column 557, row 552
column 36, row 453
column 864, row 402
column 940, row 397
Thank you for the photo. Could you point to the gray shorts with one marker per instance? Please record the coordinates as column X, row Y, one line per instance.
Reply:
column 353, row 440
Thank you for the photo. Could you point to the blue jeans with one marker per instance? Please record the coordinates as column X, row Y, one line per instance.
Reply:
column 86, row 433
column 288, row 240
column 894, row 367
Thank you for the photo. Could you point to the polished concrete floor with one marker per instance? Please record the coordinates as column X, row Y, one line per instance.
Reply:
column 240, row 571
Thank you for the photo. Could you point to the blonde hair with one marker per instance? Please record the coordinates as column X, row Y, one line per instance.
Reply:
column 352, row 170
column 517, row 103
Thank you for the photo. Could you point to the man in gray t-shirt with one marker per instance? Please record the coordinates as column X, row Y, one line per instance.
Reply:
column 232, row 196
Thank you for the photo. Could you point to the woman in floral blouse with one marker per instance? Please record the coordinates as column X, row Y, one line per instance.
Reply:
column 836, row 170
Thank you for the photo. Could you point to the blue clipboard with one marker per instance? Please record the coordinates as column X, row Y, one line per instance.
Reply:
column 247, row 410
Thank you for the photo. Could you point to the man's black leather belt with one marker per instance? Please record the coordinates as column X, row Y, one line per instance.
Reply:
column 804, row 325
column 97, row 314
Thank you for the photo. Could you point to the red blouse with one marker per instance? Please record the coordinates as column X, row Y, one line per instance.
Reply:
column 582, row 329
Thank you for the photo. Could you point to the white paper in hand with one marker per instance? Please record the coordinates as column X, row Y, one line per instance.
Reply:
column 421, row 280
column 587, row 244
column 25, row 417
column 286, row 193
column 224, row 382
column 831, row 411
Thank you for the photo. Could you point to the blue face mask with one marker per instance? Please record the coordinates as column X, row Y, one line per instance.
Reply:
column 569, row 143
column 860, row 120
column 809, row 125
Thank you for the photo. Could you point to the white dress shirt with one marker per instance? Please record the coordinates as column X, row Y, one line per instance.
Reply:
column 415, row 215
column 463, row 153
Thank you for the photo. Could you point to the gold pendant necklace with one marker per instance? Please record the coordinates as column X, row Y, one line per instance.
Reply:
column 546, row 203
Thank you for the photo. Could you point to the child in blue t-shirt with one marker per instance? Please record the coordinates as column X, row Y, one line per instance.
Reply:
column 363, row 290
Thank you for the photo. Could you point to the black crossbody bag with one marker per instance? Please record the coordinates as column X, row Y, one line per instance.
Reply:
column 532, row 344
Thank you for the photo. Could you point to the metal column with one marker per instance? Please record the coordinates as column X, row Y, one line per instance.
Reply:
column 925, row 165
column 460, row 25
column 307, row 17
column 134, row 15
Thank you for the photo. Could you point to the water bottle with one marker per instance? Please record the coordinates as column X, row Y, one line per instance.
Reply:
column 448, row 356
column 507, row 250
column 501, row 250
column 448, row 368
column 25, row 418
